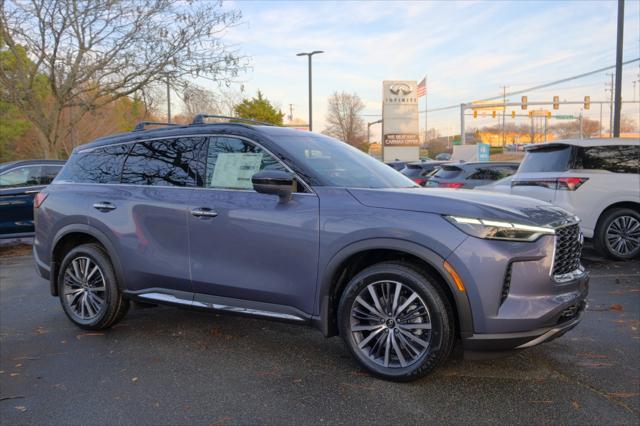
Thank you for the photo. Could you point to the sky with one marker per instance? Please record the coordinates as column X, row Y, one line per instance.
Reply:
column 467, row 49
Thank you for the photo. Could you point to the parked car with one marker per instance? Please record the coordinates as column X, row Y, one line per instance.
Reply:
column 444, row 156
column 598, row 180
column 503, row 185
column 419, row 171
column 19, row 182
column 396, row 165
column 273, row 222
column 470, row 175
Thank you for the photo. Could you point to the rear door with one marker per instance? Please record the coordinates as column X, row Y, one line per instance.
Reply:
column 144, row 212
column 18, row 186
column 537, row 175
column 249, row 247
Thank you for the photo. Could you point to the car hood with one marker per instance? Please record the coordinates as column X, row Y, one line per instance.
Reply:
column 468, row 203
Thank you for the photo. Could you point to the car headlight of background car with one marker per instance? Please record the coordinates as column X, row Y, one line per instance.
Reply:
column 498, row 230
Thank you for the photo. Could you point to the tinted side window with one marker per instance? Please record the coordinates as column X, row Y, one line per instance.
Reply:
column 99, row 165
column 164, row 162
column 447, row 172
column 615, row 158
column 21, row 176
column 485, row 174
column 48, row 173
column 552, row 159
column 231, row 163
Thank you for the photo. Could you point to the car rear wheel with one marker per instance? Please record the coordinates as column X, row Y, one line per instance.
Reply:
column 618, row 234
column 396, row 321
column 88, row 289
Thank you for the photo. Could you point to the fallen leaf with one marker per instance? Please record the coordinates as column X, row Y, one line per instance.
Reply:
column 617, row 307
column 14, row 374
column 221, row 421
column 21, row 408
column 575, row 405
column 135, row 379
column 18, row 365
column 623, row 394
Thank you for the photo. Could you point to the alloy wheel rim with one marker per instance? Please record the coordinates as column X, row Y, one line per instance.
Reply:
column 390, row 324
column 84, row 288
column 623, row 235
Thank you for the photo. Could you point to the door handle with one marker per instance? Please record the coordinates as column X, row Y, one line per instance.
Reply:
column 104, row 206
column 203, row 212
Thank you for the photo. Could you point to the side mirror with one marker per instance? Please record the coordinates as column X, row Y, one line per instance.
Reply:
column 274, row 182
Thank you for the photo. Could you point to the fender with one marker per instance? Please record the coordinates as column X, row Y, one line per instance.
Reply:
column 95, row 233
column 323, row 321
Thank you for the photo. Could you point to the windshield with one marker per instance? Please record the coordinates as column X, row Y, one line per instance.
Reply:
column 338, row 164
column 548, row 159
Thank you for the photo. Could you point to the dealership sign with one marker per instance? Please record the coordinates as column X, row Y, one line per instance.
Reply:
column 400, row 120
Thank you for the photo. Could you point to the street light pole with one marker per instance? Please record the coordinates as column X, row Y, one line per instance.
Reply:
column 309, row 55
column 618, row 87
column 168, row 102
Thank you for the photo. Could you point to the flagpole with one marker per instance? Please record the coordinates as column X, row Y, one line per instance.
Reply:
column 426, row 128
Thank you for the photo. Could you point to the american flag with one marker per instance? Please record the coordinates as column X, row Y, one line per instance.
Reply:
column 422, row 88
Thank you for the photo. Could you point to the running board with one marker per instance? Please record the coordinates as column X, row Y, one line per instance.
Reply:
column 169, row 298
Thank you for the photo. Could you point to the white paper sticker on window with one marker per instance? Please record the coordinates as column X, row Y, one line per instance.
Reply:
column 234, row 170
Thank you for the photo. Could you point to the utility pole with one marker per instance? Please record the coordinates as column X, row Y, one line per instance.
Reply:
column 369, row 129
column 618, row 105
column 600, row 126
column 504, row 111
column 580, row 118
column 290, row 112
column 309, row 55
column 610, row 90
column 463, row 139
column 168, row 102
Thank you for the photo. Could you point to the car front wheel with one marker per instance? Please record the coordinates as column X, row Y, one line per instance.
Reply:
column 88, row 289
column 618, row 234
column 396, row 321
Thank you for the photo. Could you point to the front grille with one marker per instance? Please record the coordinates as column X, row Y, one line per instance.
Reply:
column 568, row 250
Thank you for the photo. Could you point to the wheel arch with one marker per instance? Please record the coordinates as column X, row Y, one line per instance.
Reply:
column 73, row 235
column 359, row 255
column 620, row 204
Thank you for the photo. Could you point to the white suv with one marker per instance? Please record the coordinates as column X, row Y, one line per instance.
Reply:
column 598, row 180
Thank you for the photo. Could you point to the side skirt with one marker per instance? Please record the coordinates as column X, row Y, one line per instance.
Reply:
column 220, row 304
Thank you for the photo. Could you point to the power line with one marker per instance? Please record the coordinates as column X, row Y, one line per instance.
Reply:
column 541, row 86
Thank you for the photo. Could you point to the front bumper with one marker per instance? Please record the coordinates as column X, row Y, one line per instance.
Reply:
column 522, row 340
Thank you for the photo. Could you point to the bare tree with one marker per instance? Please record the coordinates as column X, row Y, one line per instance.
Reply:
column 198, row 100
column 88, row 53
column 343, row 119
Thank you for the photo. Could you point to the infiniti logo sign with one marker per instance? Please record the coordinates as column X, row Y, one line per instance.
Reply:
column 400, row 89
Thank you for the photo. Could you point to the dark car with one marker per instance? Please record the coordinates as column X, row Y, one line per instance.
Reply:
column 444, row 156
column 419, row 171
column 20, row 181
column 470, row 175
column 273, row 222
column 396, row 165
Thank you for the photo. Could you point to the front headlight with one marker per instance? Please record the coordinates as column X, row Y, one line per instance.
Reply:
column 498, row 230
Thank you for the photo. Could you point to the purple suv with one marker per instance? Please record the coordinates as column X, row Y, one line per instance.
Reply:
column 290, row 225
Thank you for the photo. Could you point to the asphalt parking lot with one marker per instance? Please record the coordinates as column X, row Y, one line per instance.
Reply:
column 170, row 366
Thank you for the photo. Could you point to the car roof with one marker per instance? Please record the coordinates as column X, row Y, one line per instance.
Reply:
column 186, row 130
column 20, row 163
column 585, row 142
column 427, row 163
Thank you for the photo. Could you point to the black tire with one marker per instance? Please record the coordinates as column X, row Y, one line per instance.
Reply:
column 440, row 313
column 606, row 221
column 114, row 306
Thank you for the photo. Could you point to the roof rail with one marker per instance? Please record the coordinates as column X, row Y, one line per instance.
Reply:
column 199, row 119
column 141, row 125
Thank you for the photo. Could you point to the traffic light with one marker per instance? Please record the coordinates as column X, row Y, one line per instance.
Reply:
column 475, row 113
column 523, row 102
column 548, row 114
column 587, row 102
column 513, row 114
column 493, row 114
column 531, row 114
column 556, row 102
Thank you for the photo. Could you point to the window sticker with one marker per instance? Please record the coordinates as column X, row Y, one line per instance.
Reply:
column 234, row 170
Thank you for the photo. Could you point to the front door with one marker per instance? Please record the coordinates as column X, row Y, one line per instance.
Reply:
column 247, row 246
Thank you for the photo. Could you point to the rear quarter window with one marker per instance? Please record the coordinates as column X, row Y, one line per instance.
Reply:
column 99, row 165
column 447, row 172
column 551, row 159
column 614, row 158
